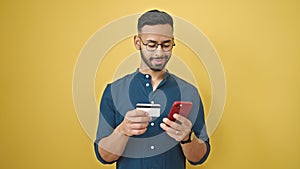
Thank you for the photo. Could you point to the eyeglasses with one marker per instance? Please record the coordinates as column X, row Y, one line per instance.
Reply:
column 151, row 46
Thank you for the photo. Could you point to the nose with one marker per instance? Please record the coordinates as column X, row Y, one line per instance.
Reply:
column 159, row 51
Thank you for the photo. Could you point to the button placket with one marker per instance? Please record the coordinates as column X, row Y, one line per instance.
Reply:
column 148, row 82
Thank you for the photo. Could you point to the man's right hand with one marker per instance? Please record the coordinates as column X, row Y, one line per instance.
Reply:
column 135, row 123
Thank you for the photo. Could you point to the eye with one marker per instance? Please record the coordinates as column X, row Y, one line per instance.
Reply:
column 151, row 45
column 166, row 45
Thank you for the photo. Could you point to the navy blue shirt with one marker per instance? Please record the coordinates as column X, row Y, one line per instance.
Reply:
column 154, row 149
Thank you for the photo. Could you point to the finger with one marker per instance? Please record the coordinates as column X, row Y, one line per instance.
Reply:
column 175, row 134
column 172, row 124
column 168, row 129
column 139, row 119
column 179, row 118
column 138, row 116
column 138, row 132
column 136, row 113
column 175, row 130
column 138, row 126
column 183, row 120
column 164, row 126
column 168, row 122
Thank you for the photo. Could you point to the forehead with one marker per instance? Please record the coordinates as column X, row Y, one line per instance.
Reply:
column 156, row 31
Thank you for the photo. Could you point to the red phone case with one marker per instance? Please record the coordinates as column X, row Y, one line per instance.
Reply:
column 180, row 107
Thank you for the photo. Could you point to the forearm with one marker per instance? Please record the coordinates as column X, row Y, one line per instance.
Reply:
column 135, row 123
column 195, row 150
column 111, row 147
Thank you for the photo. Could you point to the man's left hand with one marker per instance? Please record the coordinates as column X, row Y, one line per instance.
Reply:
column 180, row 129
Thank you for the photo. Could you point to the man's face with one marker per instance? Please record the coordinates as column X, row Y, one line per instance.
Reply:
column 155, row 44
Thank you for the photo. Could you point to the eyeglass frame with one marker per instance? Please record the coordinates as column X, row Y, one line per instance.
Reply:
column 157, row 44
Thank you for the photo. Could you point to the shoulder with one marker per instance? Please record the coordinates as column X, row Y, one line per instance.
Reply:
column 124, row 80
column 183, row 83
column 122, row 84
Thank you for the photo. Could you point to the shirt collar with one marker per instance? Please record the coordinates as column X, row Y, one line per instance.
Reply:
column 167, row 74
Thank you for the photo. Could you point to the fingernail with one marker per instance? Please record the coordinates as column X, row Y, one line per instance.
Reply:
column 164, row 119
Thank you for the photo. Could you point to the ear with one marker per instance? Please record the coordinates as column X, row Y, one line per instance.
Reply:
column 137, row 42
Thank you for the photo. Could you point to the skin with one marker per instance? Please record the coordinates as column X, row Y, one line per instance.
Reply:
column 136, row 121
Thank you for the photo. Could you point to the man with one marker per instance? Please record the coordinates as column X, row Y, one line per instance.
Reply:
column 131, row 137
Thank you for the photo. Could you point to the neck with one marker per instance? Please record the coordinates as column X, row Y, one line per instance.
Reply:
column 156, row 75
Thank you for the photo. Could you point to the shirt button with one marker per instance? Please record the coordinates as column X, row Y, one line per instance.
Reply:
column 152, row 124
column 147, row 84
column 152, row 147
column 147, row 76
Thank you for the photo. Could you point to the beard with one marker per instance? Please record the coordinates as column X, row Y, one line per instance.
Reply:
column 155, row 67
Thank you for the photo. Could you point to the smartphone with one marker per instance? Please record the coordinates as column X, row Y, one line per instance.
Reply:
column 180, row 107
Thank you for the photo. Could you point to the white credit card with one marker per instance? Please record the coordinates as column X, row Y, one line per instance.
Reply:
column 152, row 109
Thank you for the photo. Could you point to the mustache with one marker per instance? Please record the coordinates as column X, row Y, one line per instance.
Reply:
column 161, row 57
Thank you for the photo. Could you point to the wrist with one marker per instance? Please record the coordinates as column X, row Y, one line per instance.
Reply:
column 187, row 139
column 120, row 130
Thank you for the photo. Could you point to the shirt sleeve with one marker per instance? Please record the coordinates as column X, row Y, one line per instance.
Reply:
column 106, row 123
column 199, row 128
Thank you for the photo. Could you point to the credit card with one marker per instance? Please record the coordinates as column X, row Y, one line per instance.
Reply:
column 152, row 109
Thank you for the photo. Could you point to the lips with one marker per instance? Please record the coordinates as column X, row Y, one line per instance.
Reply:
column 158, row 60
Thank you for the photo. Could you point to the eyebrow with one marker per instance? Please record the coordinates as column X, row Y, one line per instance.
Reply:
column 153, row 41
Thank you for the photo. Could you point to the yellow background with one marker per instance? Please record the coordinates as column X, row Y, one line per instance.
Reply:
column 258, row 44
